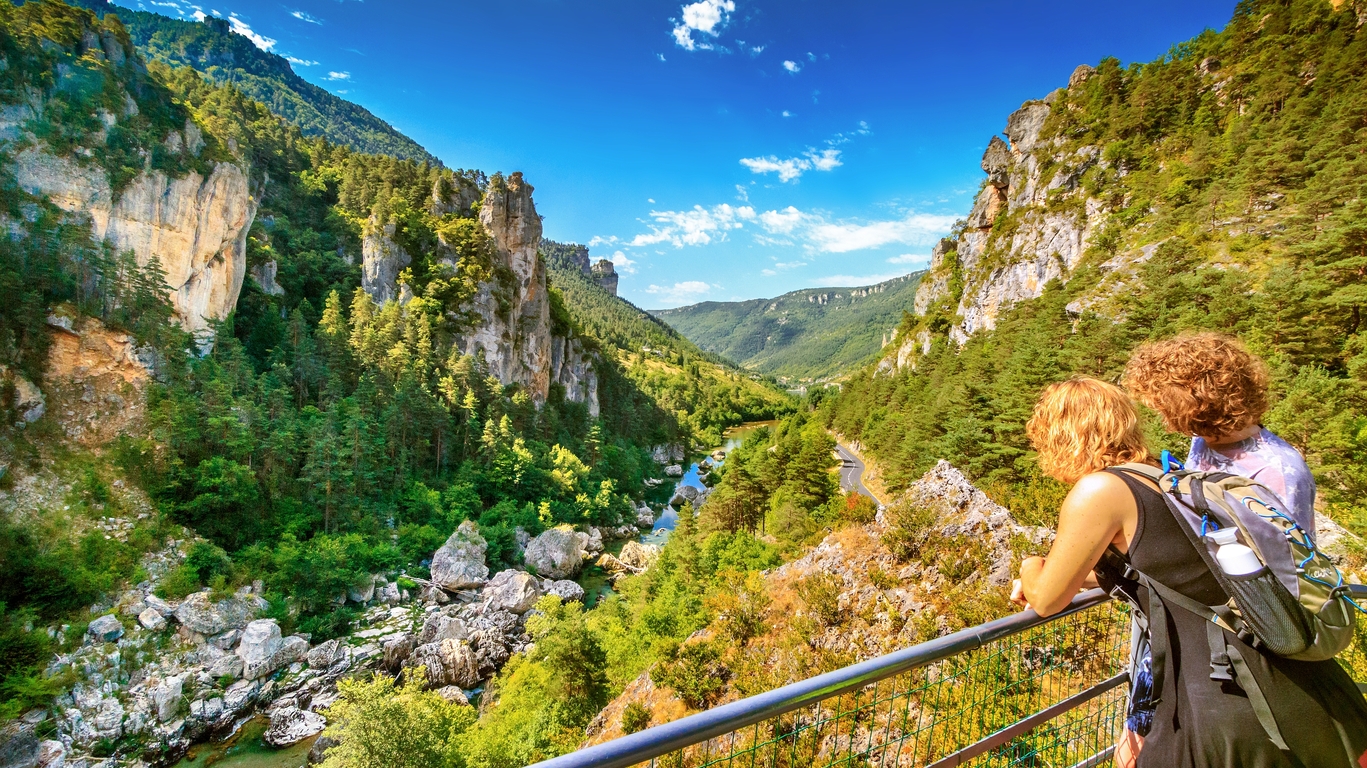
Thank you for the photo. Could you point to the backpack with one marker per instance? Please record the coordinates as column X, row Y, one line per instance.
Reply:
column 1296, row 606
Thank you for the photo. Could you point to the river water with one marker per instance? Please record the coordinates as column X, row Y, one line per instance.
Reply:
column 246, row 749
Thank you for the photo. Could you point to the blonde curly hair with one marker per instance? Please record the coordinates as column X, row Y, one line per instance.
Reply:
column 1083, row 425
column 1205, row 383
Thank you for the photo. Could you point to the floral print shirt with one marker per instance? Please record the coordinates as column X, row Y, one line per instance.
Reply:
column 1269, row 460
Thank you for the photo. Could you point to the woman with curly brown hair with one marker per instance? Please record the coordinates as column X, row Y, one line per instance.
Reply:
column 1084, row 430
column 1209, row 386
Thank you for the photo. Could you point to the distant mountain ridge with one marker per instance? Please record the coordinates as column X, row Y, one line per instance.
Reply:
column 215, row 51
column 811, row 334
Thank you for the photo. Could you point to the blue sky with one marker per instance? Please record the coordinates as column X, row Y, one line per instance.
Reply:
column 720, row 149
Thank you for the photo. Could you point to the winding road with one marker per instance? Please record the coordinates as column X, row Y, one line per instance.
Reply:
column 852, row 472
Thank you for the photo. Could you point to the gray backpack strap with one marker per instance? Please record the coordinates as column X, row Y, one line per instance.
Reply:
column 1257, row 700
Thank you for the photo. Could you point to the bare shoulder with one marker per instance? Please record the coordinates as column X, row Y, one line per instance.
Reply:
column 1099, row 483
column 1098, row 492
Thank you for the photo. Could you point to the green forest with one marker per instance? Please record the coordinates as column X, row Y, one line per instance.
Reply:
column 815, row 333
column 322, row 437
column 702, row 391
column 1252, row 194
column 216, row 52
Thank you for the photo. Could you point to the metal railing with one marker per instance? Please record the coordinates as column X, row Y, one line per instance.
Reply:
column 1018, row 691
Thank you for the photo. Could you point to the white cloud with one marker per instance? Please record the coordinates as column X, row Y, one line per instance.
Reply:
column 622, row 263
column 786, row 113
column 240, row 27
column 742, row 194
column 661, row 55
column 679, row 293
column 792, row 168
column 789, row 227
column 697, row 226
column 301, row 62
column 781, row 222
column 811, row 56
column 708, row 17
column 852, row 281
column 200, row 15
column 303, row 16
column 911, row 229
column 339, row 76
column 757, row 50
column 792, row 66
column 910, row 258
column 826, row 160
column 787, row 169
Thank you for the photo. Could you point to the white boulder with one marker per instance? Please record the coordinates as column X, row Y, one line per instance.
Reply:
column 639, row 556
column 555, row 554
column 261, row 641
column 459, row 563
column 152, row 619
column 513, row 591
column 291, row 725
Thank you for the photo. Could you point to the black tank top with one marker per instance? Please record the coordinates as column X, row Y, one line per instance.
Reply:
column 1201, row 722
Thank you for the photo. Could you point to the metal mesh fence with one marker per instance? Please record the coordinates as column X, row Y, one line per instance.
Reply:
column 930, row 714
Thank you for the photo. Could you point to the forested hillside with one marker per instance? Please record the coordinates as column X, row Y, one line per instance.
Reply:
column 1220, row 186
column 317, row 436
column 213, row 50
column 813, row 334
column 706, row 392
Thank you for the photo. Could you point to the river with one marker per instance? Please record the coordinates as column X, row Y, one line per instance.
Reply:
column 594, row 579
column 246, row 750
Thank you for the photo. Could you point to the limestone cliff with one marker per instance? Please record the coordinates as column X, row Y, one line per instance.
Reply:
column 195, row 224
column 1031, row 223
column 513, row 331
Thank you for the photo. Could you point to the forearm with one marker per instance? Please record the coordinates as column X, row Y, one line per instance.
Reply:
column 1048, row 590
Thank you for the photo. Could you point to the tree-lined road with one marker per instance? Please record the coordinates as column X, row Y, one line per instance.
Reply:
column 852, row 472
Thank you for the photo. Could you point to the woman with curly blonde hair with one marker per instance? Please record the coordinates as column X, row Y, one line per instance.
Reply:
column 1084, row 431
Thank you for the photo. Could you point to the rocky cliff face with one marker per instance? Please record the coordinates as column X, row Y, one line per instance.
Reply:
column 605, row 275
column 1031, row 223
column 195, row 225
column 514, row 334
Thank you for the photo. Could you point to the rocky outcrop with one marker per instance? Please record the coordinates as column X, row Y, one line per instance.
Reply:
column 195, row 226
column 459, row 563
column 1051, row 224
column 515, row 338
column 382, row 259
column 605, row 274
column 198, row 613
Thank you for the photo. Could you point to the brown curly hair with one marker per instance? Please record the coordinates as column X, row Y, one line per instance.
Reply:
column 1085, row 425
column 1205, row 383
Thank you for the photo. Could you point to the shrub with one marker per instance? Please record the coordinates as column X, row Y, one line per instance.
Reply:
column 859, row 509
column 821, row 593
column 742, row 612
column 181, row 581
column 882, row 579
column 636, row 717
column 696, row 673
column 908, row 528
